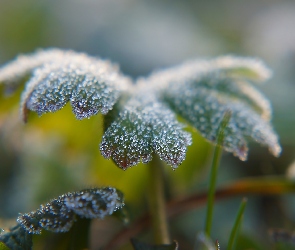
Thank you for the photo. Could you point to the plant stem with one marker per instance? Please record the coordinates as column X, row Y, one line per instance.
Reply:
column 157, row 202
column 238, row 221
column 211, row 194
column 266, row 185
column 213, row 174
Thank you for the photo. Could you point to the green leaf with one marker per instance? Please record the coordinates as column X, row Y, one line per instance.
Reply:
column 142, row 127
column 90, row 84
column 16, row 239
column 202, row 91
column 138, row 245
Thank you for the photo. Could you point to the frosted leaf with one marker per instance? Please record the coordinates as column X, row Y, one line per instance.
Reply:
column 17, row 239
column 237, row 67
column 241, row 67
column 95, row 203
column 59, row 214
column 202, row 91
column 55, row 216
column 30, row 222
column 142, row 127
column 92, row 85
column 142, row 122
column 13, row 72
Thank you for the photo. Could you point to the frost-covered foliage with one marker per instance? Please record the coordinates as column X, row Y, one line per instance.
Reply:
column 143, row 120
column 17, row 239
column 59, row 214
column 202, row 91
column 90, row 84
column 145, row 125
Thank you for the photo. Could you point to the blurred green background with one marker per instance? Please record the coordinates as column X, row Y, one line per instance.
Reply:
column 56, row 153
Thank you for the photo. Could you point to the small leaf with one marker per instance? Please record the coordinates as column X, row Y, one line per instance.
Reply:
column 95, row 203
column 58, row 215
column 55, row 216
column 13, row 72
column 241, row 67
column 138, row 245
column 142, row 127
column 16, row 239
column 201, row 92
column 92, row 85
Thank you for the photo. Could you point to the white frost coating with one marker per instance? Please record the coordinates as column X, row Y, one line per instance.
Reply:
column 24, row 64
column 92, row 85
column 239, row 67
column 200, row 91
column 144, row 126
column 251, row 68
column 95, row 203
column 58, row 215
column 204, row 99
column 54, row 217
column 227, row 73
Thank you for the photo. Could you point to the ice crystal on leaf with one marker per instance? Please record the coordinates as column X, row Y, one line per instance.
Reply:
column 141, row 117
column 93, row 203
column 143, row 126
column 90, row 84
column 59, row 214
column 202, row 91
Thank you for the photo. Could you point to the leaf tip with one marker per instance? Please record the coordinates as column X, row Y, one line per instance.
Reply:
column 276, row 149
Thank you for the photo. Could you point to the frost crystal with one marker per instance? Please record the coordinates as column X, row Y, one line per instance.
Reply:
column 142, row 119
column 55, row 216
column 94, row 203
column 90, row 84
column 142, row 127
column 30, row 222
column 59, row 214
column 202, row 91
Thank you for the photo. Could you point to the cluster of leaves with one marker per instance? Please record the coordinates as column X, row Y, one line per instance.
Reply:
column 59, row 214
column 143, row 117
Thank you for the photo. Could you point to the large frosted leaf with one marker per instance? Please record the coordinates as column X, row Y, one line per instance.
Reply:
column 144, row 122
column 142, row 127
column 202, row 91
column 90, row 84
